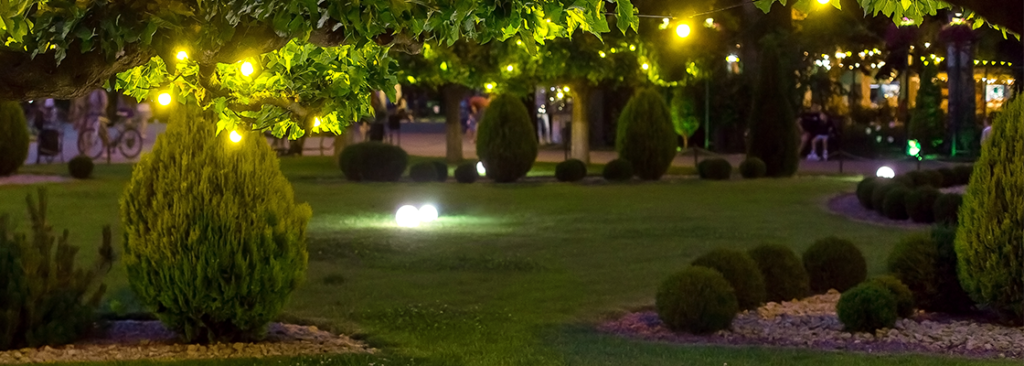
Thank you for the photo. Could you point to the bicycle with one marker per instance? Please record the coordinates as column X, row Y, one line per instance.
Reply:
column 126, row 138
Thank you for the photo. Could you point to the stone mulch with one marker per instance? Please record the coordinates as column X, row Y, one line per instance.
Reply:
column 23, row 179
column 137, row 340
column 812, row 323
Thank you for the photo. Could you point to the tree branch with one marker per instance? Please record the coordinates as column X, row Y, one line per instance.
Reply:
column 1006, row 13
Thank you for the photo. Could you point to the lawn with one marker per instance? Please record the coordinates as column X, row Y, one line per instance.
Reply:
column 513, row 274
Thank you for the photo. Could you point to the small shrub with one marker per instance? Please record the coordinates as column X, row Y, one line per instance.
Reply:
column 934, row 178
column 442, row 171
column 949, row 177
column 920, row 204
column 784, row 275
column 867, row 308
column 646, row 136
column 865, row 189
column 949, row 296
column 742, row 273
column 571, row 170
column 947, row 208
column 834, row 263
column 696, row 300
column 373, row 162
column 618, row 170
column 505, row 140
column 753, row 168
column 466, row 173
column 912, row 261
column 879, row 193
column 919, row 177
column 80, row 167
column 905, row 180
column 423, row 172
column 14, row 138
column 963, row 174
column 895, row 203
column 44, row 299
column 904, row 298
column 715, row 169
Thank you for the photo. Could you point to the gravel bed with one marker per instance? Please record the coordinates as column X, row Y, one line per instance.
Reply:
column 136, row 340
column 812, row 323
column 848, row 205
column 23, row 179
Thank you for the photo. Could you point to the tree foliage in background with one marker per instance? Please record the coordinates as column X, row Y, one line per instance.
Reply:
column 684, row 114
column 927, row 124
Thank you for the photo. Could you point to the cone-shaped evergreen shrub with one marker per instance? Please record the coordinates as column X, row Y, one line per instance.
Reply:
column 373, row 161
column 947, row 209
column 904, row 298
column 991, row 233
column 442, row 171
column 696, row 300
column 618, row 170
column 14, row 139
column 214, row 240
column 753, row 168
column 834, row 263
column 868, row 307
column 865, row 189
column 80, row 167
column 466, row 173
column 423, row 172
column 571, row 170
column 505, row 140
column 646, row 136
column 895, row 203
column 741, row 272
column 784, row 275
column 920, row 204
column 773, row 135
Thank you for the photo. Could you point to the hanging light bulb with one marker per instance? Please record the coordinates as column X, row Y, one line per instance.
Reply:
column 247, row 68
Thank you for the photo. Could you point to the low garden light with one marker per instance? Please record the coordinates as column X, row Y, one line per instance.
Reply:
column 235, row 137
column 885, row 172
column 428, row 213
column 683, row 30
column 164, row 99
column 913, row 148
column 407, row 216
column 480, row 168
column 247, row 68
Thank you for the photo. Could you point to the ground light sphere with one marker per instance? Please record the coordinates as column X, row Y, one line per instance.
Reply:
column 480, row 169
column 885, row 172
column 407, row 216
column 428, row 213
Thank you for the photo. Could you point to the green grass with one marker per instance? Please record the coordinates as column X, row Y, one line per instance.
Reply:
column 512, row 274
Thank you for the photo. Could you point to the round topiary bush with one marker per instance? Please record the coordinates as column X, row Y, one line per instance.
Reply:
column 905, row 180
column 505, row 140
column 866, row 308
column 865, row 189
column 214, row 244
column 742, row 273
column 904, row 298
column 947, row 209
column 14, row 137
column 784, row 275
column 80, row 167
column 949, row 177
column 879, row 193
column 920, row 204
column 834, row 263
column 646, row 137
column 934, row 178
column 618, row 170
column 373, row 162
column 963, row 174
column 423, row 172
column 442, row 171
column 919, row 177
column 753, row 168
column 714, row 169
column 697, row 300
column 990, row 236
column 466, row 173
column 895, row 203
column 571, row 170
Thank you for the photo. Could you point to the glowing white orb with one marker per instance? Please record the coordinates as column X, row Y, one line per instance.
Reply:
column 247, row 68
column 480, row 168
column 885, row 172
column 407, row 216
column 164, row 99
column 235, row 137
column 683, row 31
column 428, row 213
column 823, row 2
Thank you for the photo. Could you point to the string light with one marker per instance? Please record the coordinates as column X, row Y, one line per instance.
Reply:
column 683, row 31
column 182, row 55
column 235, row 137
column 247, row 68
column 645, row 66
column 164, row 99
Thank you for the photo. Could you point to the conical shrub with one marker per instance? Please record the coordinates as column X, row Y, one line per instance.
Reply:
column 773, row 134
column 214, row 241
column 991, row 231
column 505, row 141
column 645, row 135
column 14, row 139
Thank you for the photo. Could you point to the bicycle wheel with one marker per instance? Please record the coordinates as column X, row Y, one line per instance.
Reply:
column 130, row 143
column 90, row 144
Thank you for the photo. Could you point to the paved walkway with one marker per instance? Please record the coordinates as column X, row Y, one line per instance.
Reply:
column 425, row 142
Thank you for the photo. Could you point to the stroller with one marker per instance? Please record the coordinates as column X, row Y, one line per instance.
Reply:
column 50, row 142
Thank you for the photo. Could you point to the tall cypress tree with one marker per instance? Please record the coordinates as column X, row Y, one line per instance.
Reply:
column 926, row 125
column 773, row 134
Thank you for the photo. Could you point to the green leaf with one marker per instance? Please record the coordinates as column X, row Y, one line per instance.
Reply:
column 764, row 5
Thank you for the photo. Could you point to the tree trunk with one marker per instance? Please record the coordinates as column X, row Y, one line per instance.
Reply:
column 580, row 123
column 452, row 95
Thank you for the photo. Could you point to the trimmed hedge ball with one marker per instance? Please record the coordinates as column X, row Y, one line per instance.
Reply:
column 947, row 208
column 442, row 171
column 571, row 170
column 784, row 275
column 715, row 169
column 466, row 173
column 865, row 189
column 920, row 204
column 696, row 300
column 895, row 203
column 949, row 177
column 423, row 172
column 742, row 273
column 753, row 168
column 866, row 308
column 373, row 162
column 904, row 298
column 834, row 263
column 80, row 167
column 878, row 194
column 618, row 170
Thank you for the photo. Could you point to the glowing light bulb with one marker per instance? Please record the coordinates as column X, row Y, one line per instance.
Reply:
column 316, row 122
column 407, row 216
column 823, row 2
column 247, row 68
column 565, row 89
column 182, row 55
column 732, row 59
column 885, row 172
column 645, row 66
column 428, row 213
column 164, row 99
column 444, row 66
column 510, row 68
column 489, row 86
column 683, row 31
column 480, row 168
column 602, row 54
column 235, row 137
